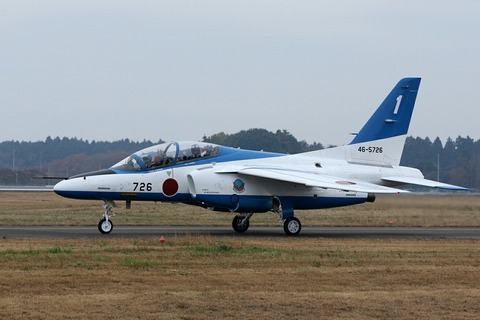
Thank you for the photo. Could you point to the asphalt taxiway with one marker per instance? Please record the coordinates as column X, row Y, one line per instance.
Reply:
column 86, row 232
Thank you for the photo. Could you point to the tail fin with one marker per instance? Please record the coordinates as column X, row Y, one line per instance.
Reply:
column 393, row 116
column 381, row 140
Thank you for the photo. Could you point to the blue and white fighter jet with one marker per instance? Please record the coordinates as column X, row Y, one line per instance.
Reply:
column 245, row 182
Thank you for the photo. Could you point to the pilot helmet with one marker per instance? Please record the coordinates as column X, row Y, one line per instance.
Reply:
column 147, row 158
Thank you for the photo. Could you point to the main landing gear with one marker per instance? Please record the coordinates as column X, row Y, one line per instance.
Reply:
column 291, row 225
column 240, row 223
column 106, row 225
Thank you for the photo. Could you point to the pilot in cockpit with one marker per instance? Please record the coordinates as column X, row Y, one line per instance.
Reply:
column 147, row 160
column 206, row 151
column 158, row 160
column 196, row 152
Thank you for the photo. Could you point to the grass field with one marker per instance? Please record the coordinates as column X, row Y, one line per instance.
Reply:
column 201, row 277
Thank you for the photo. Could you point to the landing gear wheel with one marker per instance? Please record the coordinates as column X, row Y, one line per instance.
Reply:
column 240, row 224
column 105, row 226
column 292, row 226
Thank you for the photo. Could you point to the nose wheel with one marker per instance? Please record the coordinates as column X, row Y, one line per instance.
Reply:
column 105, row 225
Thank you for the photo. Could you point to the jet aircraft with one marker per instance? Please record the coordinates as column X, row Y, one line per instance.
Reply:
column 244, row 182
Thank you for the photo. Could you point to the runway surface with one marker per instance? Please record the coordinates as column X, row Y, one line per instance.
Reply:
column 86, row 232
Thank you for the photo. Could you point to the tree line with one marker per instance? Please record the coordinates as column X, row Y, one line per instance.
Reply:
column 455, row 161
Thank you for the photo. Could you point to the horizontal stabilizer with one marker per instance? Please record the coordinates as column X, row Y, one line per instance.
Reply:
column 424, row 182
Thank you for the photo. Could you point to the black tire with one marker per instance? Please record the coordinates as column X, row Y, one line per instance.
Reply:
column 292, row 226
column 105, row 227
column 238, row 227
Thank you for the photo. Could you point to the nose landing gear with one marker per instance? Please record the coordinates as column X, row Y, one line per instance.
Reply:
column 105, row 225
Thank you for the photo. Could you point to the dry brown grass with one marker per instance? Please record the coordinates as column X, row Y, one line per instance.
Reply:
column 199, row 277
column 207, row 278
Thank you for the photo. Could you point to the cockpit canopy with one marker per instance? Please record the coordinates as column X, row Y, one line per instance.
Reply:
column 167, row 154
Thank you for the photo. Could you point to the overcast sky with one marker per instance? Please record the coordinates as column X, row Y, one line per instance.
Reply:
column 178, row 70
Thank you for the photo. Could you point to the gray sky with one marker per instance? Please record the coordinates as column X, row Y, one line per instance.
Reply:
column 176, row 70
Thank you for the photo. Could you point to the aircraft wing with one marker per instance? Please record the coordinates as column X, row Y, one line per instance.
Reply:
column 423, row 182
column 310, row 179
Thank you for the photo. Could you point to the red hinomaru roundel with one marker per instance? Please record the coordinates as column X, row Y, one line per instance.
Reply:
column 170, row 187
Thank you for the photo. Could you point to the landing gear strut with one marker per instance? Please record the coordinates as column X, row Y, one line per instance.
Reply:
column 106, row 225
column 240, row 223
column 291, row 225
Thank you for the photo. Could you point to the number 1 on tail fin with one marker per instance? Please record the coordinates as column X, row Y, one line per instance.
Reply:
column 382, row 138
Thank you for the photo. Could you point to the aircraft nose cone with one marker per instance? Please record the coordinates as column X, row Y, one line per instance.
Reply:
column 69, row 188
column 59, row 187
column 81, row 186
